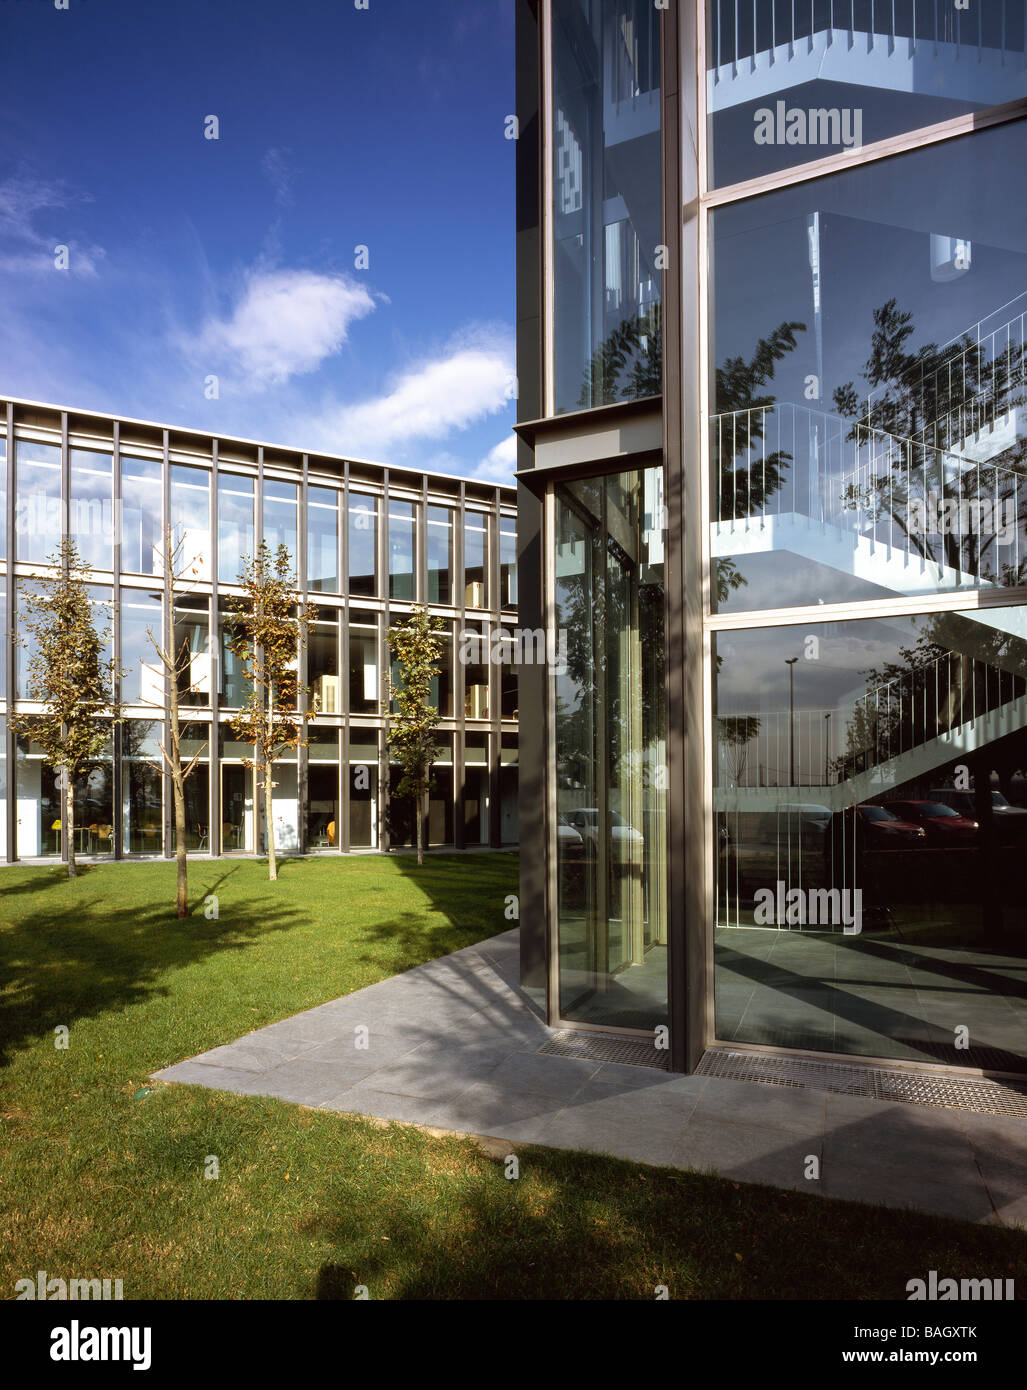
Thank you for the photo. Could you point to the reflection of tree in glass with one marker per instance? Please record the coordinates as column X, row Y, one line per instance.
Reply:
column 740, row 387
column 920, row 408
column 736, row 732
column 628, row 364
column 956, row 670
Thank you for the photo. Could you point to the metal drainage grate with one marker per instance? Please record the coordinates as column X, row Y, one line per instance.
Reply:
column 601, row 1047
column 879, row 1083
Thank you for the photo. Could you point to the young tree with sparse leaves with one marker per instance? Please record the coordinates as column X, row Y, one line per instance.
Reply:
column 70, row 676
column 177, row 666
column 266, row 634
column 417, row 645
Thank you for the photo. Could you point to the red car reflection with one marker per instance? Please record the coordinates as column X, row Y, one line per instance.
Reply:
column 943, row 825
column 883, row 829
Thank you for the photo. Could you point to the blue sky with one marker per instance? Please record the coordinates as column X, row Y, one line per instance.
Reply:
column 235, row 258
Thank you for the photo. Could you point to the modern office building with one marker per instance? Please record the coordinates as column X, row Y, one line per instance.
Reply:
column 368, row 542
column 772, row 288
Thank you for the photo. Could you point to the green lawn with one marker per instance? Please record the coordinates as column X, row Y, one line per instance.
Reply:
column 99, row 1180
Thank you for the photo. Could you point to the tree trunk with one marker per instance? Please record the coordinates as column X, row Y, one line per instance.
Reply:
column 182, row 875
column 272, row 866
column 177, row 780
column 419, row 809
column 68, row 821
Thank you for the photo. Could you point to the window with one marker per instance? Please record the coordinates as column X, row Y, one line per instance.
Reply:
column 91, row 509
column 610, row 739
column 141, row 512
column 143, row 681
column 323, row 540
column 606, row 202
column 363, row 545
column 508, row 562
column 37, row 503
column 402, row 550
column 235, row 525
column 868, row 435
column 364, row 693
column 792, row 83
column 440, row 554
column 868, row 884
column 191, row 643
column 323, row 663
column 476, row 560
column 280, row 517
column 190, row 521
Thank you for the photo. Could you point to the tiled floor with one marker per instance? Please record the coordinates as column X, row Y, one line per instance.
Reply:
column 454, row 1045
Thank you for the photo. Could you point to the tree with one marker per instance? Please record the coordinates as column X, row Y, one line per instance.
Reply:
column 177, row 664
column 70, row 676
column 736, row 732
column 628, row 363
column 266, row 634
column 417, row 646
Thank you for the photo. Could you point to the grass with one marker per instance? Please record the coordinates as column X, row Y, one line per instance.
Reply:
column 102, row 1174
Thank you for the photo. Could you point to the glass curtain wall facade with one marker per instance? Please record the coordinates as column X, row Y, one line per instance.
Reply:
column 354, row 534
column 821, row 525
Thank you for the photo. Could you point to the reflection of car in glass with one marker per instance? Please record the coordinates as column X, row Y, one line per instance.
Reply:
column 569, row 844
column 878, row 828
column 585, row 820
column 943, row 825
column 1012, row 819
column 805, row 821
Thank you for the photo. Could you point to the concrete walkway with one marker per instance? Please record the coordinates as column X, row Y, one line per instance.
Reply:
column 454, row 1045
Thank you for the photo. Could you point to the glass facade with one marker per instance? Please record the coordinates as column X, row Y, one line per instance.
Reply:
column 606, row 203
column 610, row 749
column 330, row 797
column 825, row 833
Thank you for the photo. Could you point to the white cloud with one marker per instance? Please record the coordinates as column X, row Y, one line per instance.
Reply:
column 23, row 248
column 285, row 323
column 499, row 463
column 469, row 382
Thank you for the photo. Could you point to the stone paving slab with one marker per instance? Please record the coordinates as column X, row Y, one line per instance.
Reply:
column 454, row 1045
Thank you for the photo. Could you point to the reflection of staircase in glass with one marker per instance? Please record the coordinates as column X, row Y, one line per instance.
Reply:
column 897, row 732
column 926, row 48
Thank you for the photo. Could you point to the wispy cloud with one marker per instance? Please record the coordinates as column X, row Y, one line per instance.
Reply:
column 499, row 463
column 284, row 323
column 25, row 244
column 470, row 380
column 278, row 173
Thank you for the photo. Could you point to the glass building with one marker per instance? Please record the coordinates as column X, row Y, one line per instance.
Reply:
column 367, row 543
column 772, row 456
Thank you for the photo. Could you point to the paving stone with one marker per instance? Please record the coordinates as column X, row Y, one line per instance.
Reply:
column 218, row 1078
column 749, row 1153
column 775, row 1107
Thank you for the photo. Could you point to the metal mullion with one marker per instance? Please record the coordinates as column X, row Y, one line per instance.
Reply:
column 118, row 740
column 460, row 682
column 214, row 647
column 342, row 836
column 384, row 665
column 10, row 654
column 302, row 757
column 168, row 625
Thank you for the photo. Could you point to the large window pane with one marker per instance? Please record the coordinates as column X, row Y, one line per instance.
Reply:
column 191, row 642
column 235, row 525
column 402, row 549
column 606, row 192
column 323, row 663
column 610, row 754
column 142, row 787
column 440, row 554
column 190, row 521
column 868, row 432
column 141, row 510
column 37, row 504
column 870, row 809
column 323, row 540
column 92, row 507
column 280, row 517
column 476, row 560
column 508, row 562
column 793, row 82
column 363, row 545
column 143, row 681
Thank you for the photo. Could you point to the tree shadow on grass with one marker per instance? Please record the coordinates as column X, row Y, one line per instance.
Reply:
column 579, row 1226
column 86, row 957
